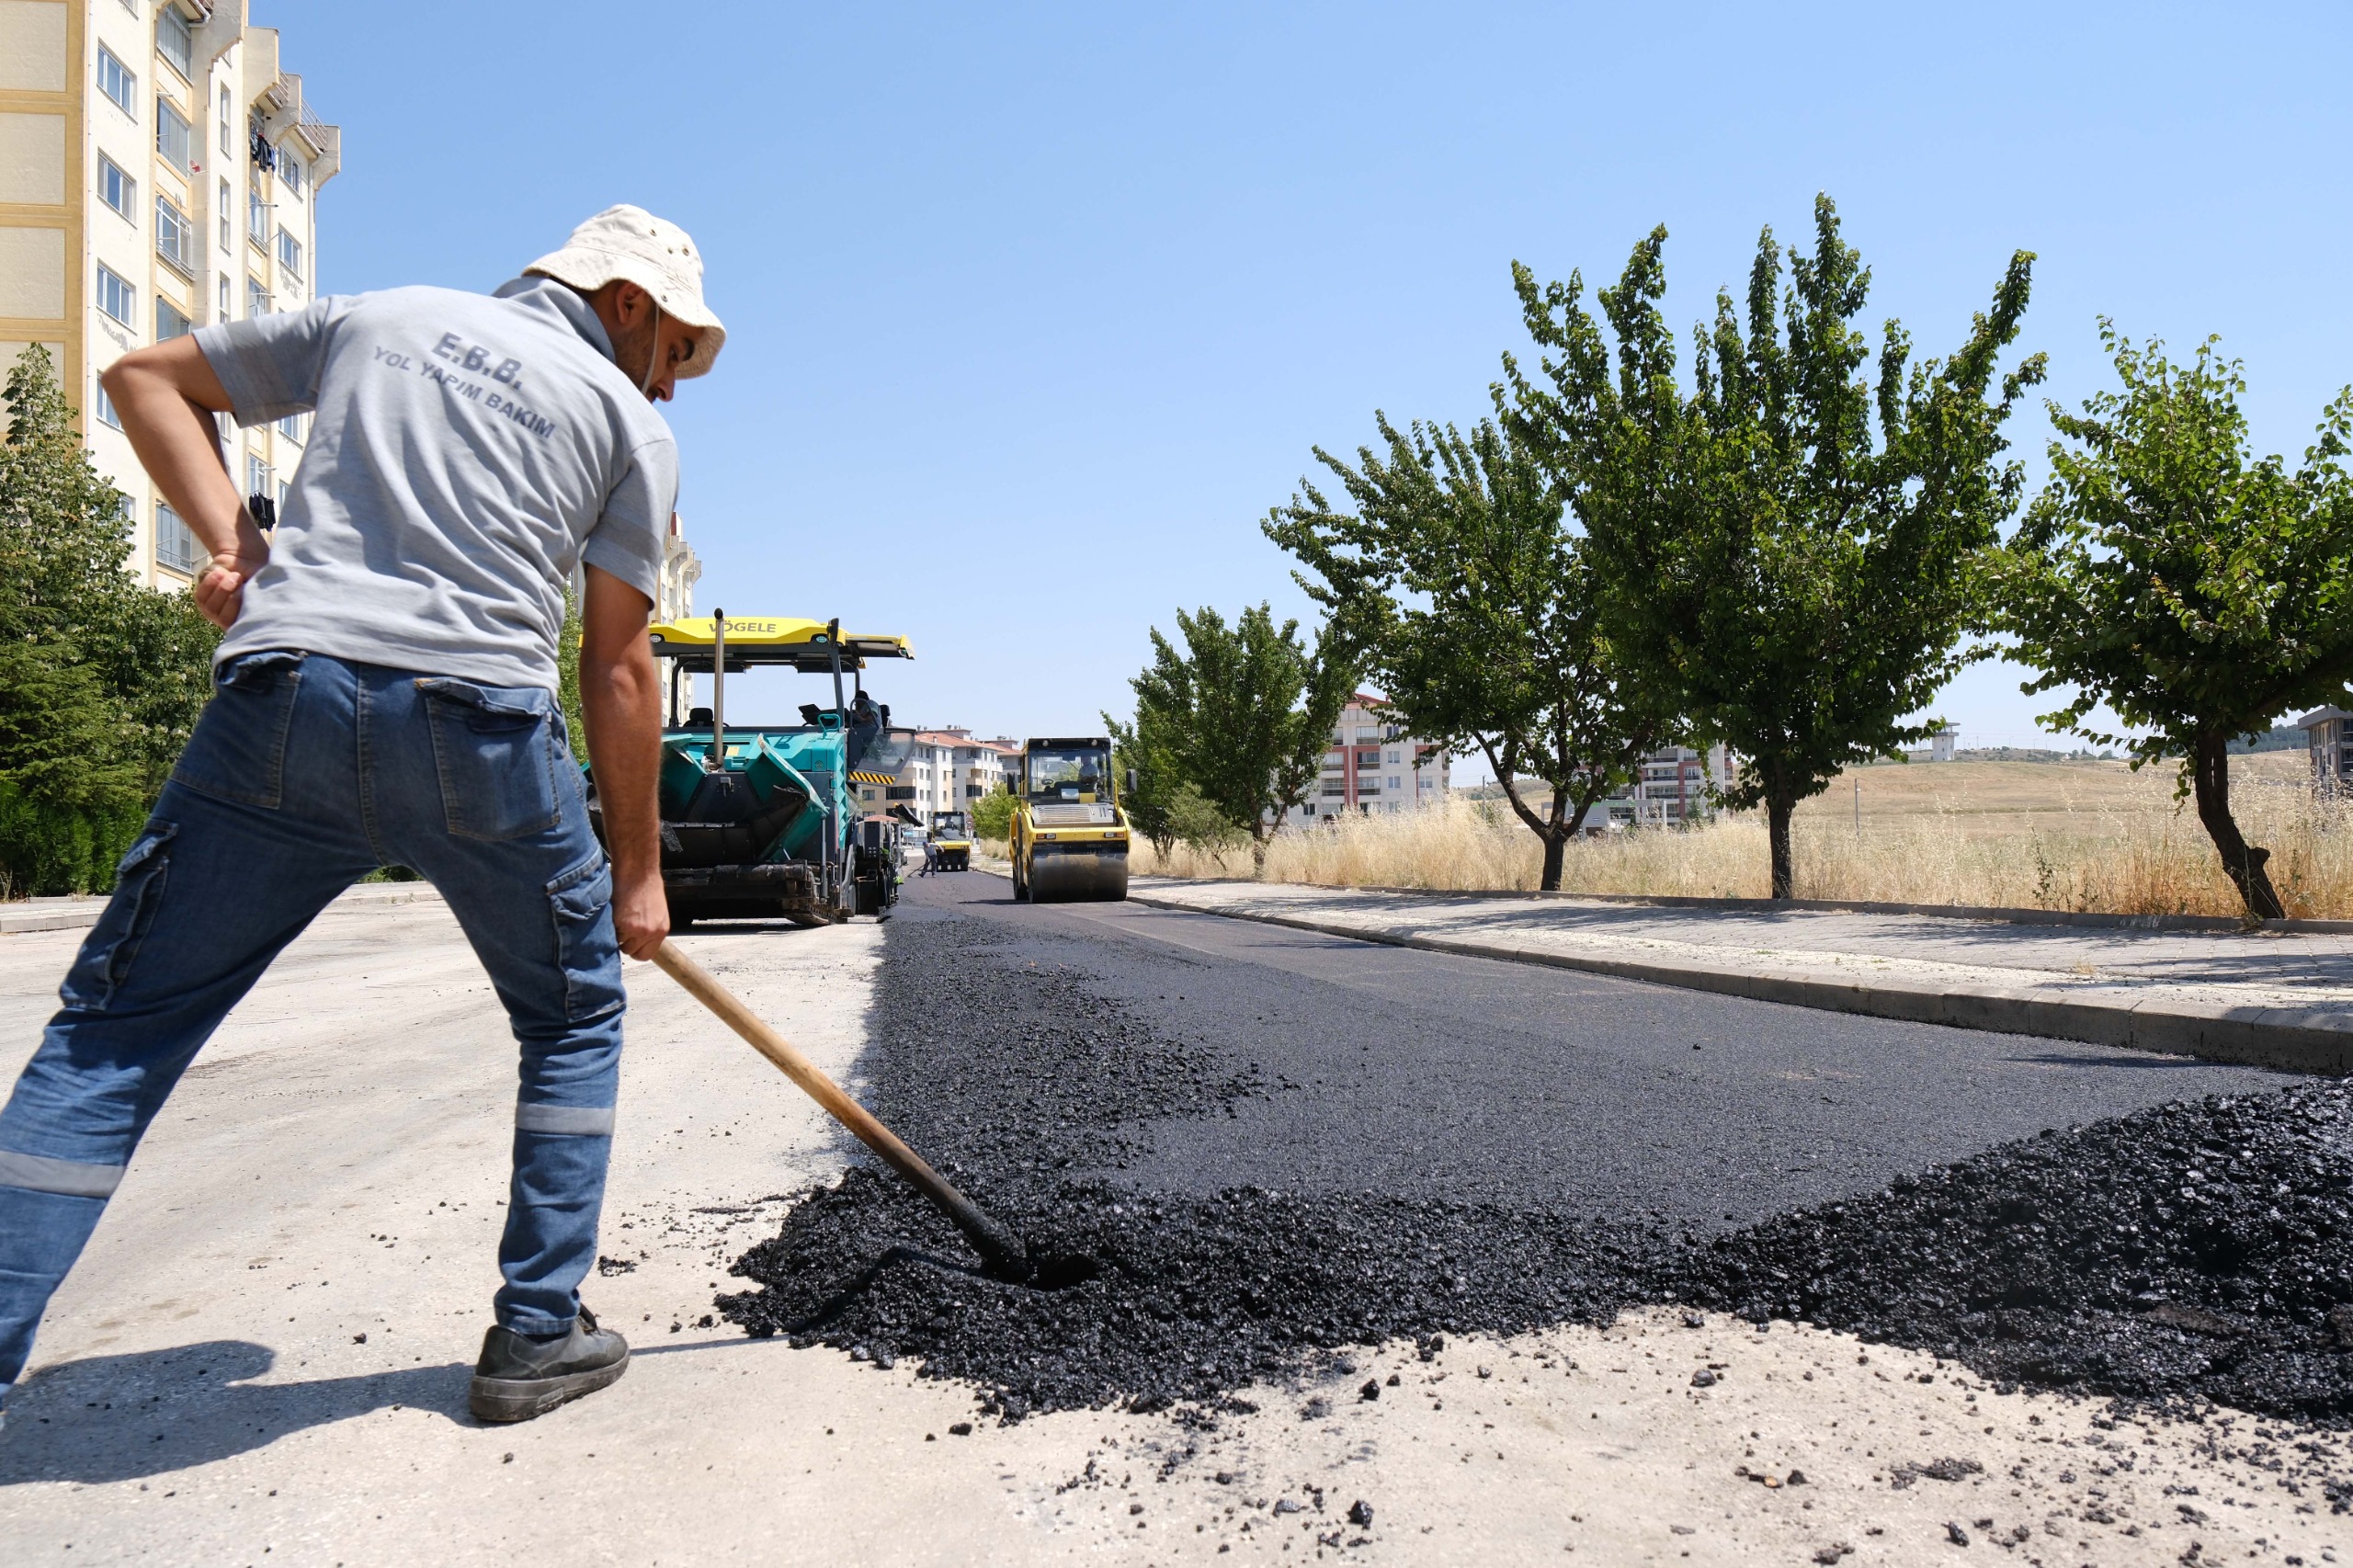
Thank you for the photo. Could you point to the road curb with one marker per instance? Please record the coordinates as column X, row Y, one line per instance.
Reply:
column 80, row 914
column 1999, row 914
column 2317, row 1040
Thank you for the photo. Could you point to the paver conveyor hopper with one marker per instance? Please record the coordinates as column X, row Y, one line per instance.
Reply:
column 761, row 821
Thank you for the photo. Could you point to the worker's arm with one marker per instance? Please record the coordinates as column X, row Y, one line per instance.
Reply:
column 166, row 395
column 620, row 698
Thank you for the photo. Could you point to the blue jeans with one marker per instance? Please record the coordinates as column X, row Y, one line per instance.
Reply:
column 305, row 774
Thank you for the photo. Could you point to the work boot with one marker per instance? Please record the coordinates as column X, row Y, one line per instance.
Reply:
column 519, row 1377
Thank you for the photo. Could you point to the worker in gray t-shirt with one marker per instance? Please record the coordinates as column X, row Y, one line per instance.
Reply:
column 385, row 695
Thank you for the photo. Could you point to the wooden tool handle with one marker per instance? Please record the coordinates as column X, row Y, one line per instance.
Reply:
column 992, row 1241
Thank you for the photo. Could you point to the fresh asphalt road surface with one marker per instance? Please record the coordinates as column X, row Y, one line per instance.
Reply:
column 1476, row 1080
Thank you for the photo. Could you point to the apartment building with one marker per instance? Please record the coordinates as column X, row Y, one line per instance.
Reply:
column 159, row 171
column 944, row 770
column 1672, row 789
column 1374, row 767
column 990, row 764
column 2328, row 738
column 673, row 591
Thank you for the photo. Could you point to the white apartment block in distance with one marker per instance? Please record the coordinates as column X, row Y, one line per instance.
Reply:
column 158, row 172
column 1672, row 789
column 944, row 770
column 1373, row 766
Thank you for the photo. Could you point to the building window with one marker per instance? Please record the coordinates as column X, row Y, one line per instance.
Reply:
column 117, row 297
column 294, row 171
column 171, row 135
column 175, row 235
column 258, row 479
column 175, row 546
column 290, row 426
column 290, row 254
column 103, row 406
column 256, row 218
column 899, row 793
column 117, row 189
column 256, row 299
column 169, row 321
column 228, row 242
column 174, row 39
column 220, row 146
column 224, row 300
column 118, row 82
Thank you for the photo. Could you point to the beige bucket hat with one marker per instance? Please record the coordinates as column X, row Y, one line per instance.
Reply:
column 630, row 245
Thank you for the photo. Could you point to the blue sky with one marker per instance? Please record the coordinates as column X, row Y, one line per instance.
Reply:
column 1035, row 311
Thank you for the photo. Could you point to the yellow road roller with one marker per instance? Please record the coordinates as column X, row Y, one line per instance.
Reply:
column 1069, row 837
column 951, row 841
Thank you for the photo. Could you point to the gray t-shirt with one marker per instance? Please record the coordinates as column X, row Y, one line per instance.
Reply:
column 469, row 451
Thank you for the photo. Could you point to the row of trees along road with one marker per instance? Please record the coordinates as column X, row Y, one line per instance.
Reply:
column 1787, row 556
column 101, row 677
column 1612, row 562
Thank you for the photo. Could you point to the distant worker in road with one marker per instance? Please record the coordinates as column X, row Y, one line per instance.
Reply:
column 385, row 696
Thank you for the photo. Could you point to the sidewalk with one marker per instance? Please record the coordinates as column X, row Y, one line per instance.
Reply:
column 2266, row 998
column 80, row 914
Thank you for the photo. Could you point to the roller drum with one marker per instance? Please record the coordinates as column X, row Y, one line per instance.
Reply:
column 1092, row 877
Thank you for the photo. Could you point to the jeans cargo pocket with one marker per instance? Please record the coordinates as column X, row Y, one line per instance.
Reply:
column 494, row 750
column 238, row 752
column 105, row 960
column 581, row 902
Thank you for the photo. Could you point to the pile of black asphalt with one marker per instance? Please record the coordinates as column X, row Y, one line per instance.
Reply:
column 1279, row 1147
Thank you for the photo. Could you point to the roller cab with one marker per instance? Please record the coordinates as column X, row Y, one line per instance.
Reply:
column 1069, row 835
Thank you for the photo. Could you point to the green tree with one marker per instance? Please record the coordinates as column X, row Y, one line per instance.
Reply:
column 104, row 676
column 993, row 816
column 1139, row 749
column 1247, row 712
column 1791, row 580
column 2196, row 590
column 567, row 674
column 72, row 792
column 1481, row 619
column 1196, row 822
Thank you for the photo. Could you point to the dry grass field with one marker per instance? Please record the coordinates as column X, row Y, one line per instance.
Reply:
column 2077, row 835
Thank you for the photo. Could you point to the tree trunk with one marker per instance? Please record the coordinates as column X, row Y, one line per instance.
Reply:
column 1258, row 853
column 1778, row 808
column 1554, row 843
column 2242, row 862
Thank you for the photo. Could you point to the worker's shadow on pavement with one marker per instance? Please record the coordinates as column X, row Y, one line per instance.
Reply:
column 150, row 1413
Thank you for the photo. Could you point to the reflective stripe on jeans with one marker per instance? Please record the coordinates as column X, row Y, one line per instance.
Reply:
column 68, row 1178
column 591, row 1121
